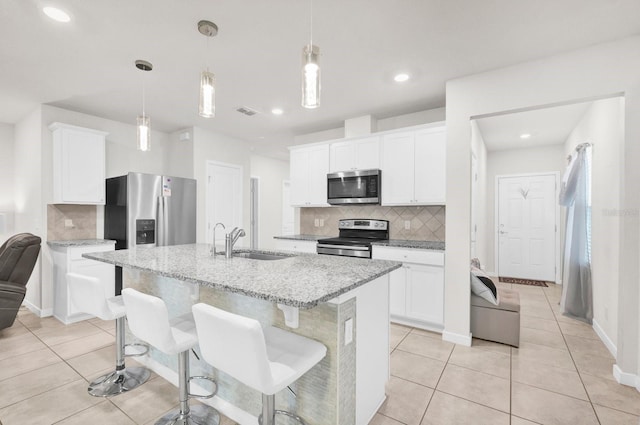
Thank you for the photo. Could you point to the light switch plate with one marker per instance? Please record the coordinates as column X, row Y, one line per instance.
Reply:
column 68, row 223
column 407, row 224
column 322, row 222
column 316, row 222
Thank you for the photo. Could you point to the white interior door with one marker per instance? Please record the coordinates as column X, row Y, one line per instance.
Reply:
column 527, row 223
column 224, row 199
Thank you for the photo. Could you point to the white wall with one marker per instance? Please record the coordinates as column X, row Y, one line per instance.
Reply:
column 483, row 220
column 208, row 146
column 603, row 126
column 271, row 173
column 577, row 75
column 408, row 120
column 515, row 161
column 28, row 192
column 6, row 181
column 179, row 154
column 383, row 124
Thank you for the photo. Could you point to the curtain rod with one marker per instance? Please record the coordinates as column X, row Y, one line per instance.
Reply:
column 579, row 147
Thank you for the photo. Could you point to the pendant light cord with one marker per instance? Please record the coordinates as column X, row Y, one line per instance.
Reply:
column 143, row 93
column 311, row 25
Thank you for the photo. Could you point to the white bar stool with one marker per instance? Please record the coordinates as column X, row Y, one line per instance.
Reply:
column 149, row 320
column 267, row 360
column 91, row 295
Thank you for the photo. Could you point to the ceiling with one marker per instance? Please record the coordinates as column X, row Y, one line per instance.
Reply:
column 548, row 126
column 87, row 65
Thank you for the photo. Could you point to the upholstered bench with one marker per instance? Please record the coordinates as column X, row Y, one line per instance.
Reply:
column 498, row 323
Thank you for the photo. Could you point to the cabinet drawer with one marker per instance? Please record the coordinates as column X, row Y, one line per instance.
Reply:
column 75, row 252
column 409, row 255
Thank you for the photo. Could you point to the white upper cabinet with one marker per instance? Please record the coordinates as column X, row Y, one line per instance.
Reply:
column 430, row 168
column 357, row 154
column 78, row 165
column 309, row 167
column 413, row 167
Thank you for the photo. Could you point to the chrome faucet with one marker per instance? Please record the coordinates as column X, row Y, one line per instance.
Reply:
column 230, row 240
column 212, row 252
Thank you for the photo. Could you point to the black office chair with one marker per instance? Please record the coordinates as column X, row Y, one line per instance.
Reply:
column 18, row 257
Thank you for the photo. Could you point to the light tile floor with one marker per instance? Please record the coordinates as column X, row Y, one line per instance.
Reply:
column 561, row 374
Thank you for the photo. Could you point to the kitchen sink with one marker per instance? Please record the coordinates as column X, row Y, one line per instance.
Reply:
column 261, row 256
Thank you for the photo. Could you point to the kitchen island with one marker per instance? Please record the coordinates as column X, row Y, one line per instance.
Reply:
column 342, row 302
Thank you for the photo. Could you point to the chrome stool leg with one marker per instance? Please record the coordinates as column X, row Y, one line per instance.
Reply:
column 187, row 415
column 269, row 412
column 122, row 379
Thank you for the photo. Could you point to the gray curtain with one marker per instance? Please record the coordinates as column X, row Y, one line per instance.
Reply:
column 577, row 292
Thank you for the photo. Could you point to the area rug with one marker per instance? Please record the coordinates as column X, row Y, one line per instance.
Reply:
column 523, row 281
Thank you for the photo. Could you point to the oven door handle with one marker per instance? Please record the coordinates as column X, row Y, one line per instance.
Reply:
column 349, row 247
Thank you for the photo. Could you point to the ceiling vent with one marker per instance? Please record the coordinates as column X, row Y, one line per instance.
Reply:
column 247, row 111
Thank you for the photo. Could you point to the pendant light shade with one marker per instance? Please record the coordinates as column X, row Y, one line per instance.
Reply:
column 207, row 108
column 310, row 77
column 143, row 125
column 144, row 133
column 207, row 95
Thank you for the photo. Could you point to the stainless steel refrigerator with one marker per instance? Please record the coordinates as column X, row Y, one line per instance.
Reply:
column 145, row 210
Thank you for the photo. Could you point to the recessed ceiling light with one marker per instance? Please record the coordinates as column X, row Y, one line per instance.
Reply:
column 277, row 111
column 525, row 135
column 56, row 14
column 401, row 78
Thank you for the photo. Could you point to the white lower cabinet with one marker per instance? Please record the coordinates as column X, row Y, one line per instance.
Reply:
column 308, row 247
column 416, row 290
column 68, row 259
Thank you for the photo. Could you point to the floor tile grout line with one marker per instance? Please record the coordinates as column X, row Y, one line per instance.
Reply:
column 66, row 361
column 436, row 386
column 40, row 393
column 525, row 419
column 575, row 365
column 381, row 414
column 474, row 402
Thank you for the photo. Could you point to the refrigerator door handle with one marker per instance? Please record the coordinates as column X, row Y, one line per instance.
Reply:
column 162, row 222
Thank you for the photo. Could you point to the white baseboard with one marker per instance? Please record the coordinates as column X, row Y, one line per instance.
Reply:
column 457, row 338
column 37, row 310
column 229, row 410
column 624, row 378
column 605, row 339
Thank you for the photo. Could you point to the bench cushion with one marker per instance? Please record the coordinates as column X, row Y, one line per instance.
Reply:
column 507, row 300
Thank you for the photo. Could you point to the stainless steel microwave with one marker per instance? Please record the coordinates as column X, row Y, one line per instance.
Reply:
column 354, row 187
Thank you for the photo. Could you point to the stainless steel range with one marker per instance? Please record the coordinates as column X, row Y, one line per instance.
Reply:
column 355, row 238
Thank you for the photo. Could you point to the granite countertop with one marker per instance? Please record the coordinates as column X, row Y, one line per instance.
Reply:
column 81, row 242
column 299, row 280
column 400, row 243
column 301, row 237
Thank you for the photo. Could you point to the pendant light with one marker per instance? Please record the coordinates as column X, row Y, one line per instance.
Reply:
column 310, row 71
column 143, row 122
column 207, row 108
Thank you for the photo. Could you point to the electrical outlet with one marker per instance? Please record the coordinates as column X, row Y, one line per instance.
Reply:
column 316, row 222
column 68, row 223
column 348, row 332
column 407, row 224
column 322, row 222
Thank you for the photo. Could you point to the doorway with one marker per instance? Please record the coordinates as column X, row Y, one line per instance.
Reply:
column 527, row 242
column 224, row 198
